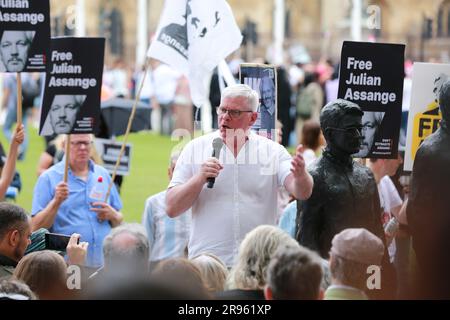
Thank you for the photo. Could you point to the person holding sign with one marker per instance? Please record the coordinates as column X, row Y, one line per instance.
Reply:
column 245, row 175
column 66, row 208
column 14, row 47
column 7, row 173
column 428, row 207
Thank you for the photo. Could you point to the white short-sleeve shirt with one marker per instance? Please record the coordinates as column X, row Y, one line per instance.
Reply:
column 389, row 199
column 244, row 195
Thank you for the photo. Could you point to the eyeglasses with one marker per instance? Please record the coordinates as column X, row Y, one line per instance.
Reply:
column 350, row 130
column 232, row 113
column 78, row 144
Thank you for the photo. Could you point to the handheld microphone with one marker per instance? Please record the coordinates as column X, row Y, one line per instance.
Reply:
column 217, row 145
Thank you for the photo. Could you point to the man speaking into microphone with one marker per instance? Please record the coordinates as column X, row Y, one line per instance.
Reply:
column 235, row 190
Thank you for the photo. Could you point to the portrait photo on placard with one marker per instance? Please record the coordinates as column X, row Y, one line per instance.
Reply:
column 14, row 49
column 63, row 112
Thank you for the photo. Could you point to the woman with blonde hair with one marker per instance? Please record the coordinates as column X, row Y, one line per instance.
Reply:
column 248, row 276
column 214, row 271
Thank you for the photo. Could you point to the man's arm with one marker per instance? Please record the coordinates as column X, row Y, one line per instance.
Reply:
column 401, row 216
column 181, row 197
column 375, row 209
column 46, row 217
column 299, row 182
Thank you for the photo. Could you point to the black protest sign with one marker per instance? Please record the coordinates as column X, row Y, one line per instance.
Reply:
column 371, row 76
column 109, row 151
column 262, row 79
column 24, row 35
column 71, row 102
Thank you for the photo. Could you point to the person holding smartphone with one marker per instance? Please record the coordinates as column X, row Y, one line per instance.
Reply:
column 15, row 234
column 64, row 207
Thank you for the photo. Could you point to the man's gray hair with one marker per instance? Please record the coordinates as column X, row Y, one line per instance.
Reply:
column 138, row 251
column 295, row 273
column 29, row 36
column 347, row 272
column 242, row 90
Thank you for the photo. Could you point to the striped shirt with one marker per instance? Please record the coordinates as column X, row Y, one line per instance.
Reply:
column 168, row 237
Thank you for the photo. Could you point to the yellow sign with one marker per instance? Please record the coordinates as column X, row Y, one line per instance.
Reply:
column 425, row 123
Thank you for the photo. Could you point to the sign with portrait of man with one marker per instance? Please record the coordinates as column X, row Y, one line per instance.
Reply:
column 371, row 75
column 71, row 101
column 424, row 115
column 109, row 151
column 262, row 78
column 24, row 35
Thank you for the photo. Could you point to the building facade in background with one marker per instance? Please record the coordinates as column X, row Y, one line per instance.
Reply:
column 319, row 26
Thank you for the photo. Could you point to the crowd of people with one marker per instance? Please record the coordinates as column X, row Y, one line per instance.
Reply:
column 217, row 232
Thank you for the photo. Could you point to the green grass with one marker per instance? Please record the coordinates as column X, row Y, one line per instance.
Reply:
column 148, row 174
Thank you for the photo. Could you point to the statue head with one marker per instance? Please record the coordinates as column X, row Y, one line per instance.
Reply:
column 340, row 121
column 437, row 85
column 444, row 100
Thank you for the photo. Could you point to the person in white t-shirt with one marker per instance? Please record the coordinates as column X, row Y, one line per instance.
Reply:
column 248, row 173
column 390, row 200
column 165, row 80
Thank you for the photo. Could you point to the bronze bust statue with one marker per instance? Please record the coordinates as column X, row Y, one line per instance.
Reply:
column 345, row 193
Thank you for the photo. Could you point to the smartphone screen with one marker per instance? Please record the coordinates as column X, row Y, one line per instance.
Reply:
column 54, row 241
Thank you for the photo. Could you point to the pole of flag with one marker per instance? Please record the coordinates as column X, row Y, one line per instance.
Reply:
column 278, row 32
column 130, row 121
column 356, row 20
column 19, row 99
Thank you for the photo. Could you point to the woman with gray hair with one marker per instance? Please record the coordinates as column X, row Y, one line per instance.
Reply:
column 248, row 276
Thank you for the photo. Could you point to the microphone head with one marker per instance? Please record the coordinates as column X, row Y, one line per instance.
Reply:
column 217, row 144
